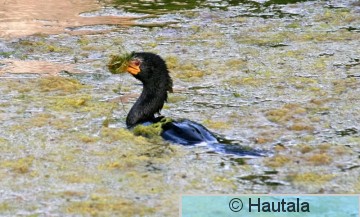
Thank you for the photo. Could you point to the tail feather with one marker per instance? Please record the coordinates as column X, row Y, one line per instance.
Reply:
column 235, row 149
column 189, row 133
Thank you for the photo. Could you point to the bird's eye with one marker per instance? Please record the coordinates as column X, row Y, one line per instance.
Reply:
column 137, row 62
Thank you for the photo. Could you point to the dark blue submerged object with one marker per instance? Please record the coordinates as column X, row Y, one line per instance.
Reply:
column 152, row 71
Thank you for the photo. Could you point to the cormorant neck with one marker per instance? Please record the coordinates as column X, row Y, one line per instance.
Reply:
column 151, row 101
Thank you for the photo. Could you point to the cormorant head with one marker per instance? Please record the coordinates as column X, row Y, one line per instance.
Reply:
column 151, row 70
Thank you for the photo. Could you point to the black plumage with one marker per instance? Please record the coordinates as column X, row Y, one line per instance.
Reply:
column 152, row 71
column 156, row 85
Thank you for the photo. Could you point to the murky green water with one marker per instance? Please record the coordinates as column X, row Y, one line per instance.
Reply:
column 165, row 6
column 278, row 77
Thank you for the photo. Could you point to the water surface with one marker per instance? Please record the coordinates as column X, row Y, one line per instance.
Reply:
column 271, row 75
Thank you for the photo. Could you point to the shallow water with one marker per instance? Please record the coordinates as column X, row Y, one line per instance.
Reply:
column 22, row 18
column 284, row 79
column 158, row 7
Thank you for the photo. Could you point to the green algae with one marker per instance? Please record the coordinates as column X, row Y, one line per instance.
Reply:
column 188, row 71
column 212, row 124
column 172, row 62
column 76, row 178
column 100, row 205
column 310, row 177
column 301, row 127
column 268, row 40
column 126, row 162
column 55, row 83
column 6, row 54
column 148, row 131
column 151, row 131
column 251, row 81
column 114, row 135
column 236, row 64
column 84, row 41
column 66, row 103
column 41, row 45
column 341, row 86
column 83, row 103
column 336, row 17
column 304, row 148
column 190, row 74
column 85, row 138
column 286, row 113
column 3, row 140
column 175, row 98
column 320, row 159
column 278, row 161
column 4, row 207
column 41, row 120
column 118, row 63
column 20, row 166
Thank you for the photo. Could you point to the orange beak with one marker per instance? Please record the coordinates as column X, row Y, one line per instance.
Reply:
column 133, row 68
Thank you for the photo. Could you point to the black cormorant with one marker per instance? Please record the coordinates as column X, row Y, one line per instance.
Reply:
column 152, row 71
